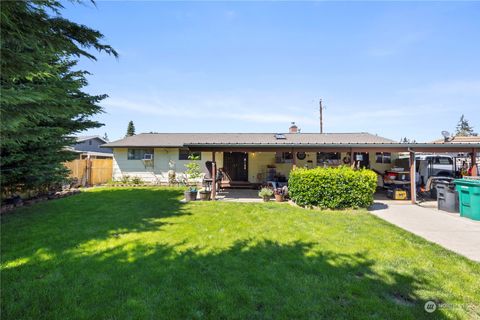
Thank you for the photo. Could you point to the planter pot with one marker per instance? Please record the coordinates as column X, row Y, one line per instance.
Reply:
column 279, row 198
column 204, row 195
column 190, row 195
column 266, row 199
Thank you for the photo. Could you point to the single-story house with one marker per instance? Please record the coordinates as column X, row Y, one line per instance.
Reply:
column 253, row 158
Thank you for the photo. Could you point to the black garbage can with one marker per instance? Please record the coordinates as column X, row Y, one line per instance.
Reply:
column 447, row 196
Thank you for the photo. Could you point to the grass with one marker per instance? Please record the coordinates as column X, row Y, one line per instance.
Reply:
column 140, row 254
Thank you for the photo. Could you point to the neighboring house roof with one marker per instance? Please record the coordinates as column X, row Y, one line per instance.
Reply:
column 471, row 139
column 97, row 154
column 92, row 153
column 85, row 138
column 191, row 139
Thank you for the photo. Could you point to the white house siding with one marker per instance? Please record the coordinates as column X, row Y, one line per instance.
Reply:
column 158, row 174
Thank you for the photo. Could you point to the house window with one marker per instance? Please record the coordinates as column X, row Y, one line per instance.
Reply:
column 90, row 142
column 184, row 154
column 328, row 157
column 284, row 157
column 383, row 157
column 138, row 154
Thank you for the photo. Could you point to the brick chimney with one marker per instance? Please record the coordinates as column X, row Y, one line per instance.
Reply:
column 293, row 128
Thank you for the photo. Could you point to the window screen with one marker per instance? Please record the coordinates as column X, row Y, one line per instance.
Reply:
column 383, row 157
column 184, row 154
column 138, row 154
column 323, row 157
column 284, row 157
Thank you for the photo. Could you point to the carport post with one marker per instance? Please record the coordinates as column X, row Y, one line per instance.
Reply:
column 413, row 186
column 294, row 160
column 474, row 162
column 214, row 177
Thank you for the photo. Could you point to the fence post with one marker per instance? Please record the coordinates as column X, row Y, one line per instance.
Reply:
column 89, row 171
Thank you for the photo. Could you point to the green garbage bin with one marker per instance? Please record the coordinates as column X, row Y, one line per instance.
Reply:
column 469, row 197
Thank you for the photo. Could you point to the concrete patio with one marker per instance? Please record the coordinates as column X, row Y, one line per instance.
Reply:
column 239, row 195
column 458, row 234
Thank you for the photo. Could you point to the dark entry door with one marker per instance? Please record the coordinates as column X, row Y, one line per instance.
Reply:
column 235, row 165
column 363, row 158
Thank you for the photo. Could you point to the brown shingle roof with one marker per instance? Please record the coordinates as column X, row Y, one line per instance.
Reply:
column 186, row 139
column 471, row 139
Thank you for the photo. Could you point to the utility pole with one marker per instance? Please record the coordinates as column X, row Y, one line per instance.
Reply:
column 321, row 116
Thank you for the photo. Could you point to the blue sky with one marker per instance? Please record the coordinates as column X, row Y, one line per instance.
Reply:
column 393, row 69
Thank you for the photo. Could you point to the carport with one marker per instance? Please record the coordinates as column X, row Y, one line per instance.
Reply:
column 411, row 148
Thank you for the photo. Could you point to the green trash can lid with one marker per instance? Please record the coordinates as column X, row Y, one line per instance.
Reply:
column 470, row 181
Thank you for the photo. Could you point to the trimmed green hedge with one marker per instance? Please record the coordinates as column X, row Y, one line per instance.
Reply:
column 334, row 188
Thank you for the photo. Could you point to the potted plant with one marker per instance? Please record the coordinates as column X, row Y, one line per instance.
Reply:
column 204, row 194
column 191, row 174
column 279, row 195
column 191, row 194
column 265, row 194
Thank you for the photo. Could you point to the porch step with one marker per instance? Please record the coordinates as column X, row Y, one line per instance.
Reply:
column 238, row 185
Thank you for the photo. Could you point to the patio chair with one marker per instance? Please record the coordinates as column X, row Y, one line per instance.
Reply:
column 207, row 178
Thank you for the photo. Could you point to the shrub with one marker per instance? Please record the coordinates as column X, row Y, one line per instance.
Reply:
column 137, row 180
column 265, row 193
column 172, row 177
column 125, row 179
column 333, row 188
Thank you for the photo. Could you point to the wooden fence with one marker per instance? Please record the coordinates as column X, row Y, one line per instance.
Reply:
column 90, row 171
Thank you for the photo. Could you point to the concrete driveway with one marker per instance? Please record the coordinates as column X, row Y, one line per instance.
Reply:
column 449, row 230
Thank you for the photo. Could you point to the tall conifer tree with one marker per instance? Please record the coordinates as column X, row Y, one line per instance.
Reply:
column 42, row 99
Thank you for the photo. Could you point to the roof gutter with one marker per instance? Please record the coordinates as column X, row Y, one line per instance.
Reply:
column 333, row 145
column 406, row 146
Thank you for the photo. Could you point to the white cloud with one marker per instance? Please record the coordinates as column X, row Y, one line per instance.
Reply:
column 211, row 108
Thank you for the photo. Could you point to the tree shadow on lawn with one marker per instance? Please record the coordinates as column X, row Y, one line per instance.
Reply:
column 249, row 280
column 64, row 223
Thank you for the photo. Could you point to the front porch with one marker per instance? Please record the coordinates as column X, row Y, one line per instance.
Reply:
column 253, row 166
column 253, row 169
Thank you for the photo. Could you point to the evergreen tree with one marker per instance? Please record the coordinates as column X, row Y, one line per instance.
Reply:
column 42, row 104
column 130, row 129
column 463, row 128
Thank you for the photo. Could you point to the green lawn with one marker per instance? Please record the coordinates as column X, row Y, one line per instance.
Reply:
column 141, row 254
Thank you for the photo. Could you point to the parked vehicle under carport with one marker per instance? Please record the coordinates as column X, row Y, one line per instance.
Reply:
column 432, row 169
